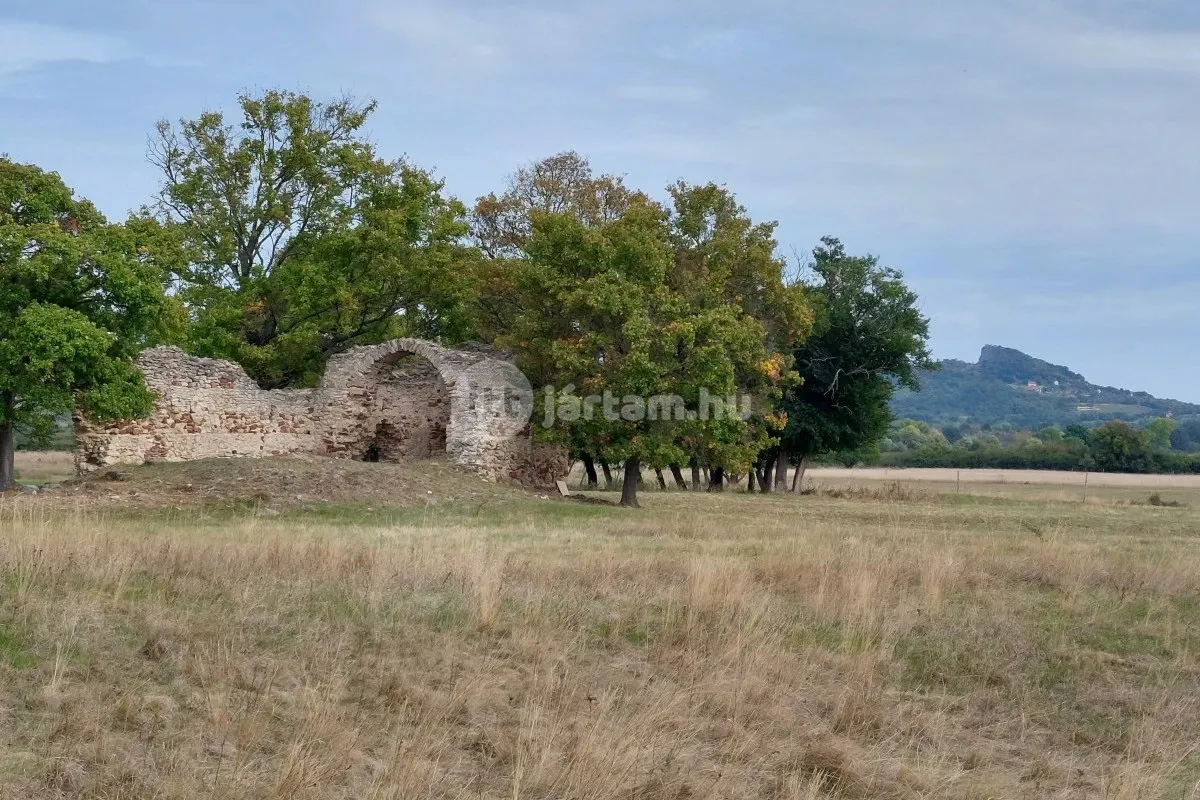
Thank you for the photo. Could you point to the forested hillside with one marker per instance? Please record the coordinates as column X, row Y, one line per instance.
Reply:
column 1008, row 386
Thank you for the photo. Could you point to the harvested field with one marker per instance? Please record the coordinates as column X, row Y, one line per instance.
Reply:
column 1047, row 486
column 1002, row 476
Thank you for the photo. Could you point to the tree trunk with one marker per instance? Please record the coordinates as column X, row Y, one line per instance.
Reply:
column 801, row 468
column 781, row 468
column 716, row 479
column 629, row 484
column 662, row 481
column 677, row 474
column 764, row 477
column 695, row 476
column 608, row 478
column 8, row 443
column 750, row 481
column 589, row 468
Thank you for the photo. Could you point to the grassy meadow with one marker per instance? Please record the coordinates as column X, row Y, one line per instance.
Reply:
column 869, row 641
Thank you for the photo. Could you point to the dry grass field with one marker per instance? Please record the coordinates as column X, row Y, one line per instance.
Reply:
column 874, row 641
column 42, row 466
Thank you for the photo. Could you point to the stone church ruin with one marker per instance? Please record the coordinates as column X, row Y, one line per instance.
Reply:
column 404, row 399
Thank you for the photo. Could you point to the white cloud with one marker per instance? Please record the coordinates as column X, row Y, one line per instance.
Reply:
column 982, row 120
column 998, row 121
column 29, row 46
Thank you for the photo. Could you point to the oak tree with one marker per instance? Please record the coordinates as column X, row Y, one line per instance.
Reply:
column 723, row 259
column 597, row 314
column 78, row 298
column 870, row 336
column 302, row 241
column 502, row 227
column 1117, row 446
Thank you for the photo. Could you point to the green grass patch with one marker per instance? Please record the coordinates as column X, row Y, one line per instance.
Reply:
column 15, row 648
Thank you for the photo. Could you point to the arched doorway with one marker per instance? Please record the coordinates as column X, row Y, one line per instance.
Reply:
column 408, row 410
column 409, row 398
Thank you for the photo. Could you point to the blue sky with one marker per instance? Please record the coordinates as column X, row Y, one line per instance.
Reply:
column 1031, row 165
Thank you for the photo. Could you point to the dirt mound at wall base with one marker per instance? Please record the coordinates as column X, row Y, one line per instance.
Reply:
column 289, row 481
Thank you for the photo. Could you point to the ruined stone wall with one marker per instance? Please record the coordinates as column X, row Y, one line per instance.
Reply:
column 403, row 399
column 205, row 409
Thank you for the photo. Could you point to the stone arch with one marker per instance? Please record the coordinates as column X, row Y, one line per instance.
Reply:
column 409, row 397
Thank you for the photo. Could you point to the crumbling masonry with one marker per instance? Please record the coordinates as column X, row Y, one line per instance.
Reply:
column 403, row 399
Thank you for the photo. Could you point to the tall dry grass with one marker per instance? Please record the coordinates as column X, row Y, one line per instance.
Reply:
column 894, row 651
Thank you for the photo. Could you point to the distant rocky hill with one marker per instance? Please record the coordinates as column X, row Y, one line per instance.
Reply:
column 1007, row 385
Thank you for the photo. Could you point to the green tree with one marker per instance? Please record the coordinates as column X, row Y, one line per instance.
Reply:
column 565, row 183
column 502, row 228
column 247, row 193
column 1076, row 432
column 596, row 314
column 869, row 337
column 1050, row 434
column 1159, row 432
column 300, row 241
column 724, row 260
column 1117, row 446
column 502, row 225
column 1187, row 437
column 911, row 434
column 954, row 433
column 868, row 454
column 78, row 297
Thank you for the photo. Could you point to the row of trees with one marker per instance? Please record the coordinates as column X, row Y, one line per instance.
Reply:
column 1114, row 446
column 282, row 237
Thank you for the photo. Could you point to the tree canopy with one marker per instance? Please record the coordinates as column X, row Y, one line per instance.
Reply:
column 669, row 331
column 869, row 338
column 1119, row 447
column 78, row 297
column 598, row 317
column 597, row 287
column 299, row 241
